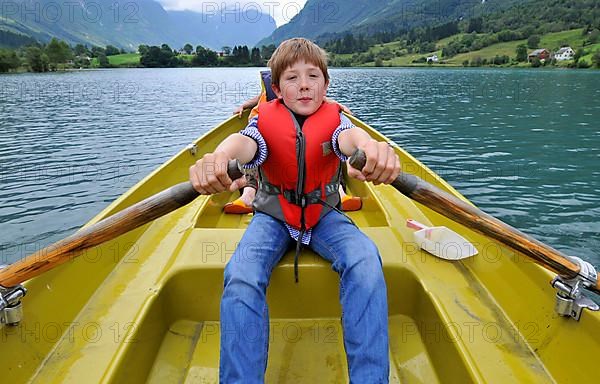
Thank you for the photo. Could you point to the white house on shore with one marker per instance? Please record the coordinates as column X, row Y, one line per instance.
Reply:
column 433, row 58
column 565, row 53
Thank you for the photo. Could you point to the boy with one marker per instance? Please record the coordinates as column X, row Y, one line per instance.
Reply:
column 243, row 204
column 298, row 142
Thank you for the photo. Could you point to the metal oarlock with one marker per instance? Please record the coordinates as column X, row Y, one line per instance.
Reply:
column 570, row 300
column 11, row 309
column 192, row 149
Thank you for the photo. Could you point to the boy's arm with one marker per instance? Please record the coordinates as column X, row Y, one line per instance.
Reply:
column 250, row 103
column 209, row 174
column 383, row 165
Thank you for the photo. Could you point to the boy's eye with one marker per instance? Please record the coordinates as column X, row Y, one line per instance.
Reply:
column 291, row 77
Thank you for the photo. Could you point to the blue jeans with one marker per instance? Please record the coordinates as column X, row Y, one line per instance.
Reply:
column 244, row 312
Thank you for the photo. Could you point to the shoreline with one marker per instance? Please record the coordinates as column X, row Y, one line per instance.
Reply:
column 433, row 66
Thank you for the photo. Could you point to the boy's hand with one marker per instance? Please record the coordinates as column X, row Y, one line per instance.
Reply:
column 239, row 111
column 209, row 174
column 250, row 103
column 382, row 166
column 345, row 109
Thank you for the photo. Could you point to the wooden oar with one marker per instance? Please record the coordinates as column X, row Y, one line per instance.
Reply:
column 107, row 229
column 477, row 220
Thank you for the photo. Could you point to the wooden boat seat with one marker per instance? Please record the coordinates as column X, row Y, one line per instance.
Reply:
column 370, row 215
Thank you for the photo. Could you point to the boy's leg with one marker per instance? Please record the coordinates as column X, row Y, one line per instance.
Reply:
column 362, row 294
column 244, row 313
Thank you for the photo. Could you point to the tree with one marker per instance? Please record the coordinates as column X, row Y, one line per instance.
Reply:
column 477, row 62
column 427, row 47
column 103, row 60
column 81, row 50
column 162, row 57
column 245, row 54
column 96, row 51
column 8, row 60
column 348, row 44
column 36, row 59
column 58, row 52
column 506, row 35
column 521, row 53
column 583, row 64
column 143, row 49
column 447, row 52
column 475, row 25
column 533, row 41
column 535, row 62
column 596, row 59
column 255, row 57
column 266, row 51
column 578, row 53
column 528, row 30
column 188, row 48
column 13, row 40
column 499, row 60
column 111, row 50
column 204, row 57
column 226, row 50
column 66, row 51
column 240, row 55
column 54, row 52
column 594, row 36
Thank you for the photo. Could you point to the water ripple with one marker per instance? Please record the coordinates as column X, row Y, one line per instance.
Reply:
column 70, row 143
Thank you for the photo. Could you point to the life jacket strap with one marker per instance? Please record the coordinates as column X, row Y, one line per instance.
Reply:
column 313, row 197
column 298, row 250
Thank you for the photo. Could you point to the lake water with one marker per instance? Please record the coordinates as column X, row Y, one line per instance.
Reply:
column 524, row 145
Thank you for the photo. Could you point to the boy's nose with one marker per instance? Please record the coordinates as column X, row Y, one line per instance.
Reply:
column 304, row 83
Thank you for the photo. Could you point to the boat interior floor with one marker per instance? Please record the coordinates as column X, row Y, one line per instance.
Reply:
column 442, row 324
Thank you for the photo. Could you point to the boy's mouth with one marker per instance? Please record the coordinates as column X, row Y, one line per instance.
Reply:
column 305, row 99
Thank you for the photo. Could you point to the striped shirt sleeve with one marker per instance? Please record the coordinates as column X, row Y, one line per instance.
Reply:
column 252, row 132
column 345, row 123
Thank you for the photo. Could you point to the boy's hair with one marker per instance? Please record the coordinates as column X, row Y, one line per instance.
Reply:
column 293, row 50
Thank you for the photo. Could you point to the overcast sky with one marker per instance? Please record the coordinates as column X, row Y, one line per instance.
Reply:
column 280, row 10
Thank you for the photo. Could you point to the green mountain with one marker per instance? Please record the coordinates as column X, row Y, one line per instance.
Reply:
column 215, row 31
column 125, row 24
column 488, row 38
column 324, row 19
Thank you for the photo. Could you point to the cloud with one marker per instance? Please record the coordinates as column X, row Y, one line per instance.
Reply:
column 280, row 10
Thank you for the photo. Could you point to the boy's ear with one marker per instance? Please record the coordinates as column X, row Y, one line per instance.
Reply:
column 277, row 91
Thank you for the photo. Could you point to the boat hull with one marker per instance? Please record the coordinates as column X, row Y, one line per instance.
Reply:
column 145, row 306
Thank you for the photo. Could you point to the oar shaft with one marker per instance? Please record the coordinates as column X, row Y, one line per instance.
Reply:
column 122, row 222
column 477, row 220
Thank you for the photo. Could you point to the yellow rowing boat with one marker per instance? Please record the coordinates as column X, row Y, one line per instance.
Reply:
column 145, row 306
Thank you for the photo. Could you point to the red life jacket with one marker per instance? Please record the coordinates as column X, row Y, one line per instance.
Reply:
column 301, row 170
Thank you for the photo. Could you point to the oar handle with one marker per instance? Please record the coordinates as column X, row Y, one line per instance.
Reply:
column 454, row 208
column 405, row 183
column 121, row 222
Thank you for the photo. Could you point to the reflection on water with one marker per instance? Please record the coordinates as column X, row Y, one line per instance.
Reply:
column 523, row 145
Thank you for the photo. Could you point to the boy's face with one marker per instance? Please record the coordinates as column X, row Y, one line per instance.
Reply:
column 302, row 87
